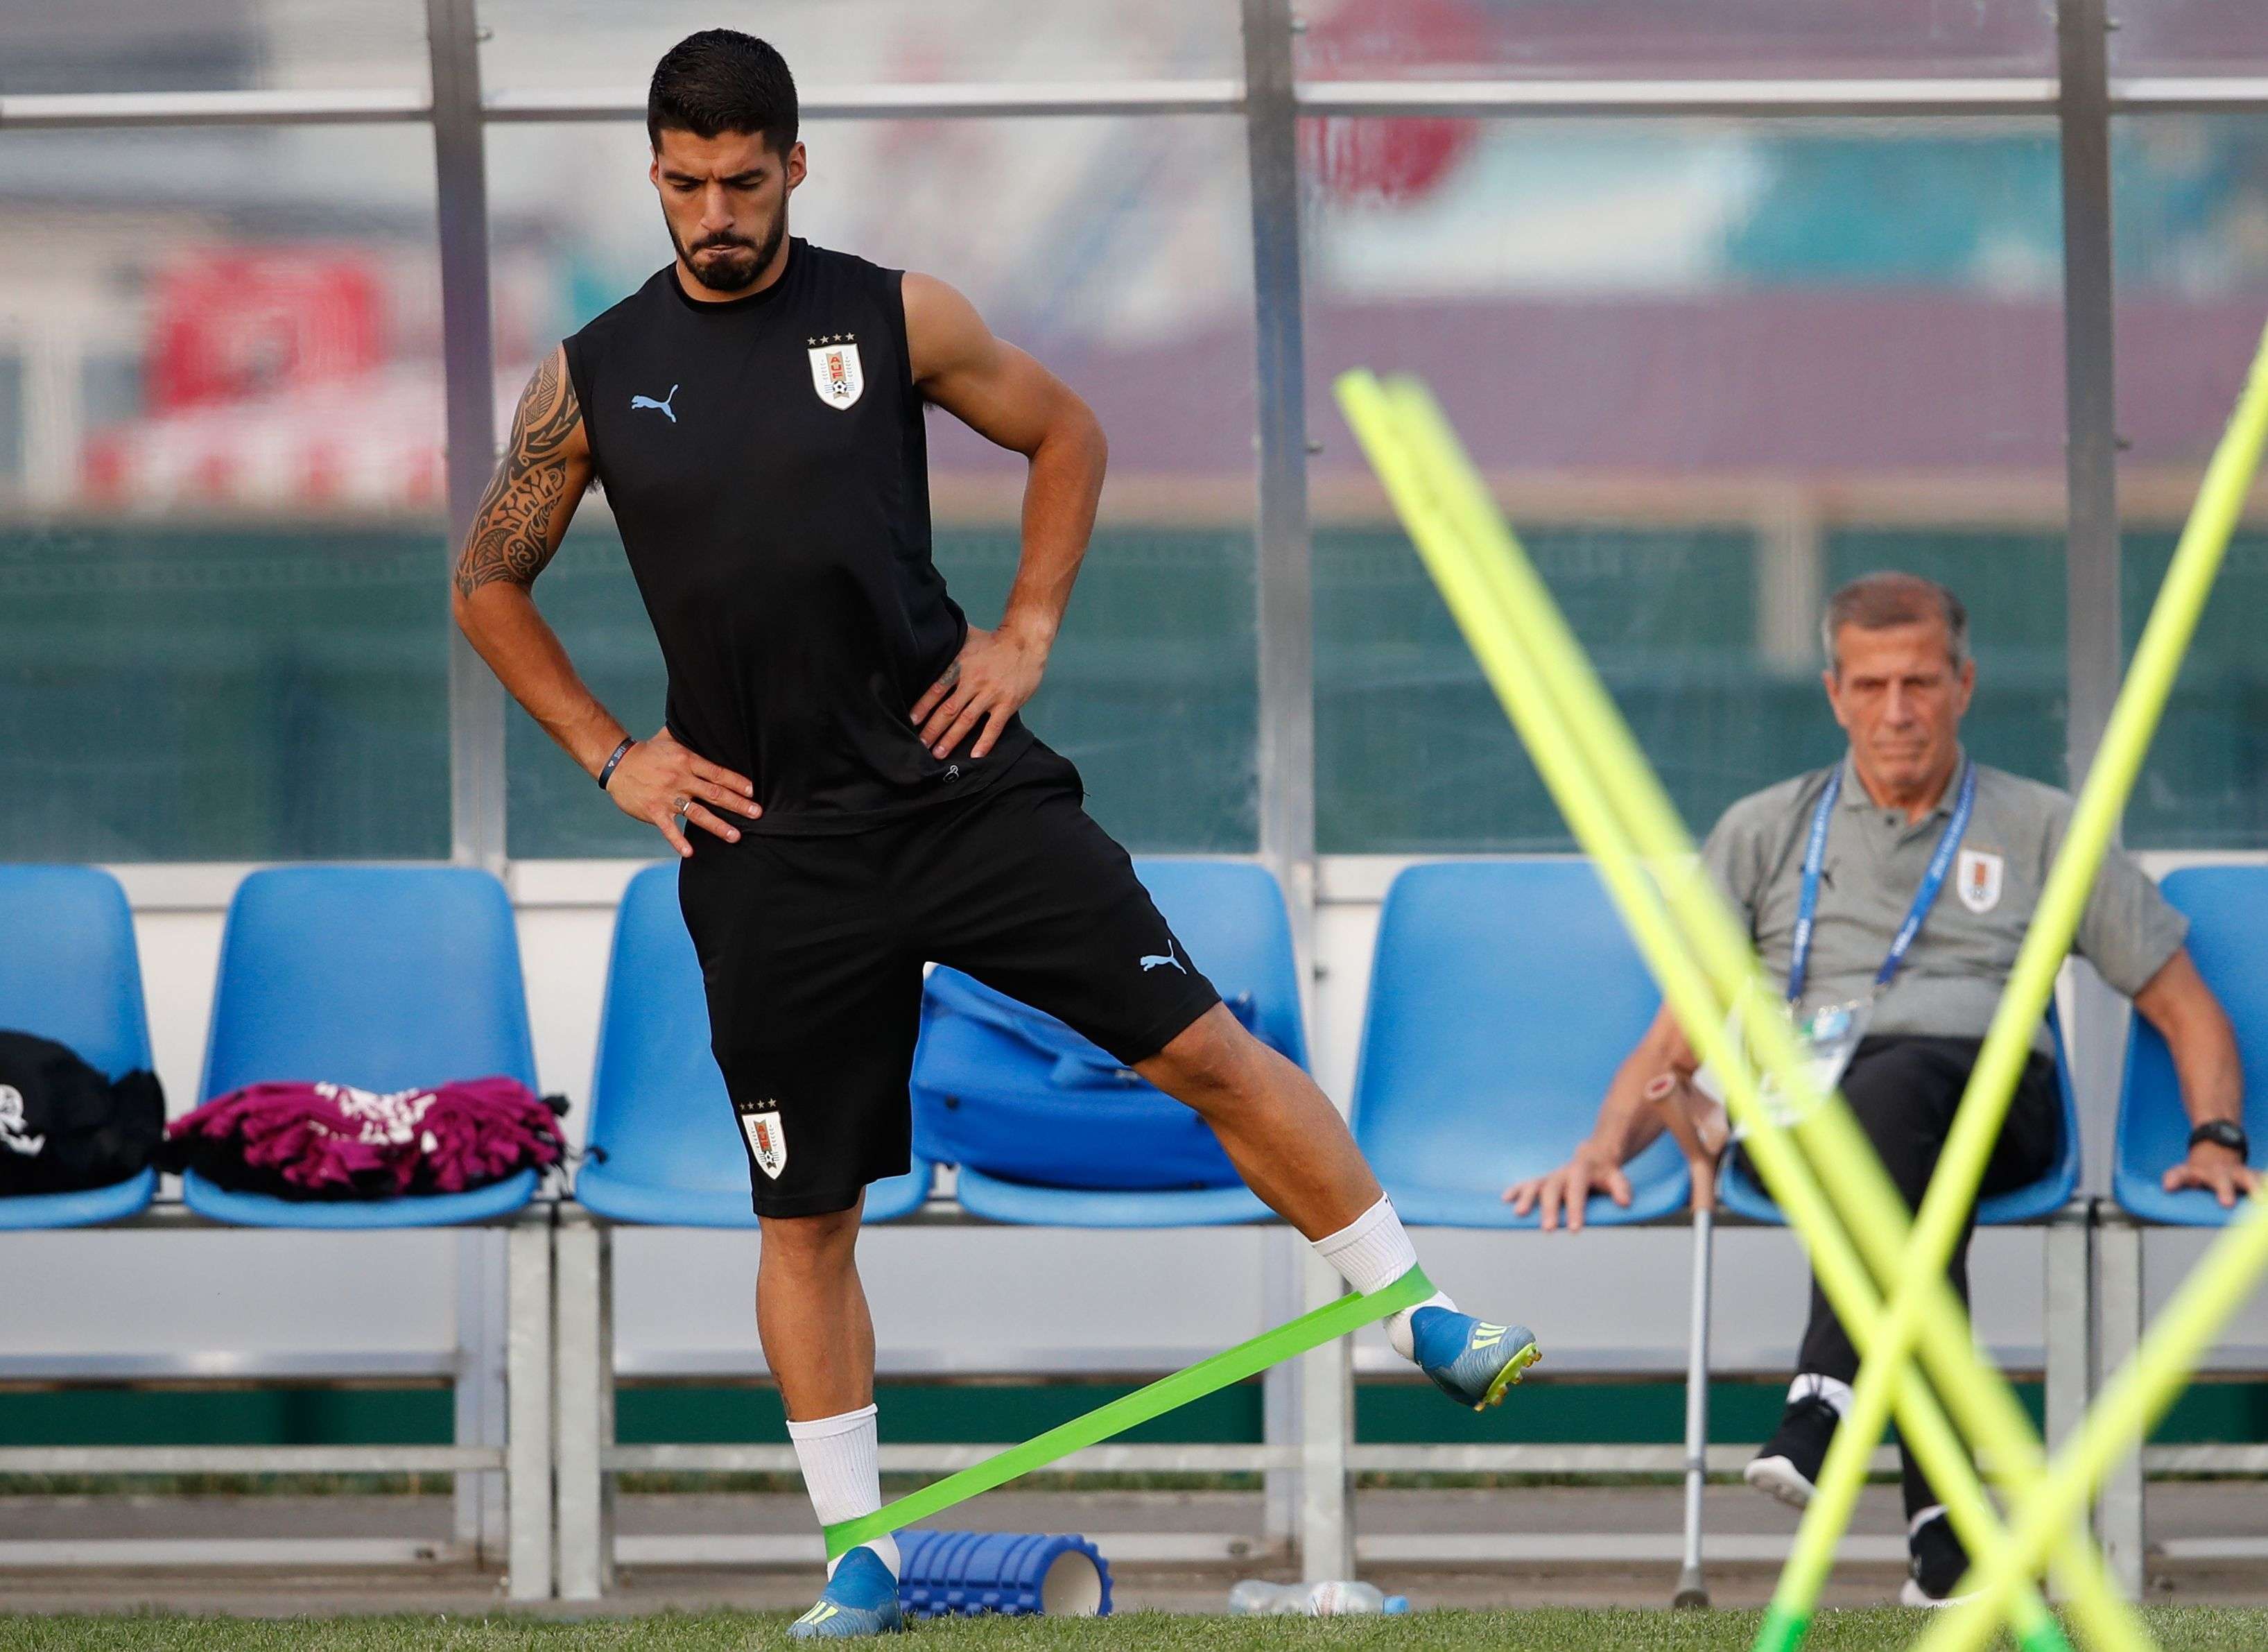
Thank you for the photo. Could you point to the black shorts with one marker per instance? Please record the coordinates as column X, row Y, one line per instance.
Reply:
column 811, row 950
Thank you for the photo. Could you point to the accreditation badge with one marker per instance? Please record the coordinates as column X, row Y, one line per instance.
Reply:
column 1826, row 1039
column 1830, row 1035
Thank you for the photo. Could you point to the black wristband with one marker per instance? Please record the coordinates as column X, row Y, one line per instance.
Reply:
column 606, row 770
column 2223, row 1132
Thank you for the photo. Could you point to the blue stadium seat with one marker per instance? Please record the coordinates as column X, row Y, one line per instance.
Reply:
column 671, row 1153
column 2033, row 1202
column 1230, row 914
column 384, row 978
column 69, row 971
column 2228, row 909
column 1502, row 996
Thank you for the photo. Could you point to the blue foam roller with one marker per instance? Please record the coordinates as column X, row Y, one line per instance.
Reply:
column 1017, row 1573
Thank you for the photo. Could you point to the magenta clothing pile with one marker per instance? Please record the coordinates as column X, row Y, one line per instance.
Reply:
column 335, row 1141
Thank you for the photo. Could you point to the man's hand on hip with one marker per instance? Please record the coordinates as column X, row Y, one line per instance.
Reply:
column 2215, row 1169
column 658, row 780
column 995, row 673
column 1565, row 1191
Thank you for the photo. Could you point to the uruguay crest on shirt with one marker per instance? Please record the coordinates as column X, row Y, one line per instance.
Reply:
column 1976, row 879
column 834, row 371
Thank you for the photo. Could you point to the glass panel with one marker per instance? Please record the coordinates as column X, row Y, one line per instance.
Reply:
column 2190, row 37
column 1712, row 371
column 1641, row 39
column 211, row 46
column 2191, row 193
column 224, row 599
column 13, row 418
column 555, row 43
column 1116, row 251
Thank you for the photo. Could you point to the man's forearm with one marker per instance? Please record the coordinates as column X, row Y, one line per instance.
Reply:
column 501, row 621
column 2177, row 1002
column 1060, row 495
column 2212, row 1079
column 1626, row 1125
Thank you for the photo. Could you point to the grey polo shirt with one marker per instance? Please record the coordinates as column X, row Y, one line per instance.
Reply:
column 1952, row 975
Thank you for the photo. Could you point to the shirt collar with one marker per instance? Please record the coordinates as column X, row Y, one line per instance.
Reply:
column 1855, row 795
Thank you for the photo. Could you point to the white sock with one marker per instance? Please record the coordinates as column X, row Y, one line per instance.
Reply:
column 841, row 1473
column 1833, row 1390
column 1370, row 1253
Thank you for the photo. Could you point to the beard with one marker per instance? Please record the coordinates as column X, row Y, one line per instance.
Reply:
column 733, row 274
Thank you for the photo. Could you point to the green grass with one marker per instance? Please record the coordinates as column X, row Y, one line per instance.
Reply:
column 2178, row 1629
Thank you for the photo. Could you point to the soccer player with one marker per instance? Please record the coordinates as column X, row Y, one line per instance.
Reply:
column 842, row 767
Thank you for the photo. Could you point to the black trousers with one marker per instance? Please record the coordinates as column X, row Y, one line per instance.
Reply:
column 1905, row 1091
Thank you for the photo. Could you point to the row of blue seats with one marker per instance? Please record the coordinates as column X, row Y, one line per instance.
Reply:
column 1503, row 995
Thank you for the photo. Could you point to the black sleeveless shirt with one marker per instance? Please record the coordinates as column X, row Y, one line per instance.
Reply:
column 765, row 461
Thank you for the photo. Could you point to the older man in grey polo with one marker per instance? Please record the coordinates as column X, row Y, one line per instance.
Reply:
column 1874, row 864
column 1893, row 889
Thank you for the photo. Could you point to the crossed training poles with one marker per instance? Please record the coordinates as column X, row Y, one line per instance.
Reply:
column 1706, row 968
column 1702, row 961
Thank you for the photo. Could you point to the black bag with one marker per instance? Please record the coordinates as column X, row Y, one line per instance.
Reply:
column 64, row 1127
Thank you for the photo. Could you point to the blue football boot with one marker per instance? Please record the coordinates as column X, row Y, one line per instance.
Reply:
column 1469, row 1360
column 860, row 1599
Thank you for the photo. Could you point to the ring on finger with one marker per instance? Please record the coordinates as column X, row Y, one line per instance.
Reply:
column 679, row 804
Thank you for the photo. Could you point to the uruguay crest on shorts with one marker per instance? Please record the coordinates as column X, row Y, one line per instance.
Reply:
column 760, row 1123
column 835, row 371
column 1978, row 880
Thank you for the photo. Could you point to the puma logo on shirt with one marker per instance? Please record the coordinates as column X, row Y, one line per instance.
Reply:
column 661, row 406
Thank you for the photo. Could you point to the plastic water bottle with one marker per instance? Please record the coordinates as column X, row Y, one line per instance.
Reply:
column 1255, row 1598
column 1335, row 1598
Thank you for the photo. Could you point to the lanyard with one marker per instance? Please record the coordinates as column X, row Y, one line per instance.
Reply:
column 1814, row 856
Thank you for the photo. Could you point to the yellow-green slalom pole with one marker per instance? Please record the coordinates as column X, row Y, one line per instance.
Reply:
column 2219, row 1283
column 2031, row 983
column 1991, row 1411
column 1990, row 1408
column 1841, row 1273
column 1561, row 760
column 2137, row 1397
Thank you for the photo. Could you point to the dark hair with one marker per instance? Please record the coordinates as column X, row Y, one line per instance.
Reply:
column 721, row 80
column 1876, row 601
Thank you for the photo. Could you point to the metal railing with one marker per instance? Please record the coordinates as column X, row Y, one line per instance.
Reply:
column 514, row 1445
column 558, row 1457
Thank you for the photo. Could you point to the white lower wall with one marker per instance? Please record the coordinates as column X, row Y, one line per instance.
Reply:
column 945, row 1299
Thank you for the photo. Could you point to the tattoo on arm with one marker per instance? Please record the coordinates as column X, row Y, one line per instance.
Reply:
column 511, row 537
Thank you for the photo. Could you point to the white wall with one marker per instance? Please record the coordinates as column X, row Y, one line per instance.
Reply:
column 944, row 1298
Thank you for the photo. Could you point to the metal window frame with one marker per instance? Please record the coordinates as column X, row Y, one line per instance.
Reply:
column 1268, row 98
column 2093, row 649
column 1625, row 97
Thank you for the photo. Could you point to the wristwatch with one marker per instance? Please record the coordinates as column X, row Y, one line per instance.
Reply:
column 2223, row 1132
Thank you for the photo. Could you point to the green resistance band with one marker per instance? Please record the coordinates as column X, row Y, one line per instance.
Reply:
column 1232, row 1365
